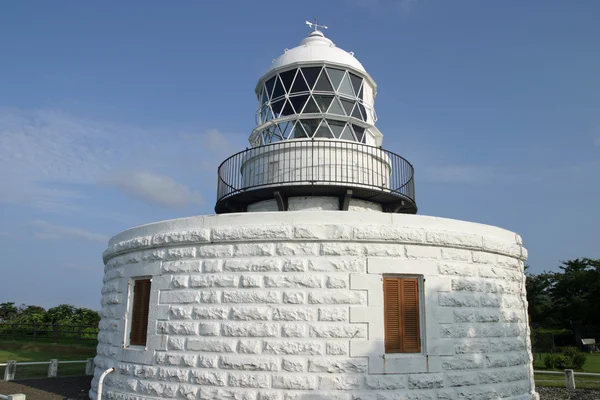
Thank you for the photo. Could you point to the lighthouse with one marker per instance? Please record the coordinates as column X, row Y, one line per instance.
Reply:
column 315, row 279
column 316, row 145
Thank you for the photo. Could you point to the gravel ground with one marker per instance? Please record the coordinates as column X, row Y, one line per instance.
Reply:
column 76, row 388
column 72, row 388
column 552, row 393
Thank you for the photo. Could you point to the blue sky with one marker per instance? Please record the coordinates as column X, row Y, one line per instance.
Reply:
column 115, row 114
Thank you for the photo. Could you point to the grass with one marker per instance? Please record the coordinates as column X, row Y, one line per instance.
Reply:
column 592, row 364
column 35, row 351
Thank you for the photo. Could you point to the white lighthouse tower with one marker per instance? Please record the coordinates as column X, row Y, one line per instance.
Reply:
column 316, row 145
column 315, row 280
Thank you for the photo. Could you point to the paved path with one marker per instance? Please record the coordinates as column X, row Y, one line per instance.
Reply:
column 72, row 388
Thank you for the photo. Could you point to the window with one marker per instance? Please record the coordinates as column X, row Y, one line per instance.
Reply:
column 401, row 315
column 139, row 309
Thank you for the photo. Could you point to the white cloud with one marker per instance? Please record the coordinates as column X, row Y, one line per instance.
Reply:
column 49, row 231
column 51, row 159
column 156, row 189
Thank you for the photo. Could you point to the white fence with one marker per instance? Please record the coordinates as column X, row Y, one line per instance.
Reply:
column 569, row 376
column 11, row 368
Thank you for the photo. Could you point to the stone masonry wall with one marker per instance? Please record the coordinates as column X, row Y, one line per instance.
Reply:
column 286, row 306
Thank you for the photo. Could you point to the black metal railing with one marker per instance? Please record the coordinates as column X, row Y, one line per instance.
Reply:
column 316, row 166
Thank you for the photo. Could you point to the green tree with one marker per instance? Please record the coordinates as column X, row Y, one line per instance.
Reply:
column 61, row 313
column 540, row 299
column 8, row 311
column 576, row 294
column 30, row 315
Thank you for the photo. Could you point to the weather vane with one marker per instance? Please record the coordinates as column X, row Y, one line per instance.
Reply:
column 315, row 25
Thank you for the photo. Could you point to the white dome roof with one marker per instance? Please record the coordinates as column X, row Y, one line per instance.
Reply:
column 316, row 47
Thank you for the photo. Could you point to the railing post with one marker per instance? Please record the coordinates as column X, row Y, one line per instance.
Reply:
column 569, row 379
column 89, row 367
column 9, row 371
column 53, row 368
column 79, row 334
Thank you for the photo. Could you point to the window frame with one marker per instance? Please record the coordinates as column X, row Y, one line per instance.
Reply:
column 129, row 320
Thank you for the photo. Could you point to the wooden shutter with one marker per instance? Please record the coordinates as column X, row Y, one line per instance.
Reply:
column 401, row 315
column 139, row 312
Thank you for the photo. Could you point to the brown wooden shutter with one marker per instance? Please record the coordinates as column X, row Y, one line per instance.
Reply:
column 401, row 315
column 391, row 295
column 139, row 312
column 410, row 315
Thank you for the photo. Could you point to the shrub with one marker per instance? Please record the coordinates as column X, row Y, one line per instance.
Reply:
column 569, row 351
column 578, row 360
column 562, row 361
column 555, row 360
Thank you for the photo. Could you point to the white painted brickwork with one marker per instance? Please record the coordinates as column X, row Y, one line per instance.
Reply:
column 289, row 306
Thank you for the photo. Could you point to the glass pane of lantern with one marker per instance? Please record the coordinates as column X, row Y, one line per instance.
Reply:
column 323, row 101
column 336, row 76
column 345, row 88
column 288, row 109
column 287, row 78
column 359, row 132
column 336, row 127
column 299, row 132
column 299, row 84
column 277, row 90
column 347, row 133
column 311, row 74
column 323, row 84
column 298, row 102
column 277, row 106
column 311, row 107
column 356, row 112
column 323, row 131
column 363, row 111
column 269, row 85
column 286, row 129
column 348, row 106
column 310, row 126
column 356, row 83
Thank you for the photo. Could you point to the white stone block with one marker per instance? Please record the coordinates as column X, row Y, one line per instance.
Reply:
column 294, row 382
column 341, row 249
column 250, row 330
column 293, row 330
column 294, row 298
column 337, row 265
column 294, row 314
column 387, row 233
column 297, row 249
column 250, row 346
column 250, row 313
column 336, row 297
column 254, row 249
column 251, row 297
column 323, row 232
column 293, row 281
column 212, row 345
column 338, row 366
column 338, row 348
column 338, row 330
column 209, row 313
column 287, row 347
column 254, row 363
column 344, row 382
column 249, row 380
column 239, row 233
column 250, row 281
